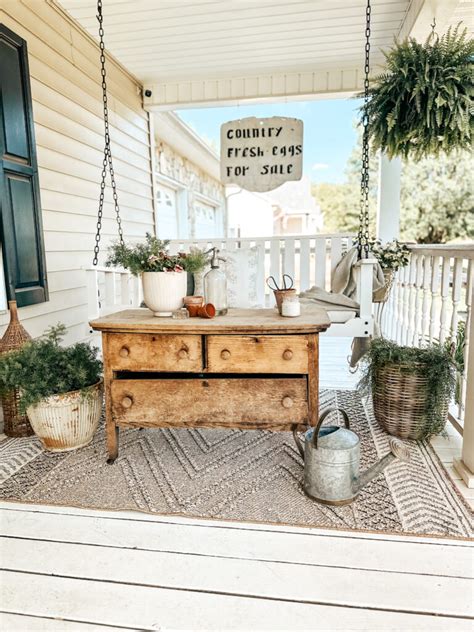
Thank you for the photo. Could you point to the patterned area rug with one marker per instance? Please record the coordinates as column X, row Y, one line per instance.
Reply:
column 237, row 475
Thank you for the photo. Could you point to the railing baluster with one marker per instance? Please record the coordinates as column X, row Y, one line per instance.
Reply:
column 289, row 257
column 404, row 291
column 411, row 330
column 275, row 258
column 467, row 341
column 397, row 297
column 274, row 264
column 136, row 291
column 320, row 262
column 92, row 294
column 125, row 288
column 110, row 294
column 445, row 273
column 427, row 271
column 260, row 244
column 456, row 296
column 336, row 252
column 417, row 305
column 304, row 263
column 435, row 283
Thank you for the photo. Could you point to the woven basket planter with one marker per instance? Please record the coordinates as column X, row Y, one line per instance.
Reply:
column 381, row 295
column 67, row 421
column 15, row 424
column 400, row 401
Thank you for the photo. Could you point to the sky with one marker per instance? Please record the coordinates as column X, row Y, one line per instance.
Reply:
column 329, row 132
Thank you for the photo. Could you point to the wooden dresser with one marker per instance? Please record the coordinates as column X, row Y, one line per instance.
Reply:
column 250, row 369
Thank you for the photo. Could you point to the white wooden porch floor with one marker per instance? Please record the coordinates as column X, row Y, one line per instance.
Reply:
column 70, row 569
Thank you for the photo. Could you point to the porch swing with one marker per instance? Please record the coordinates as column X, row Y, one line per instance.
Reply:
column 355, row 275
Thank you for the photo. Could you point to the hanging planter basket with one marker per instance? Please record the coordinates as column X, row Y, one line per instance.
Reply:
column 381, row 295
column 422, row 104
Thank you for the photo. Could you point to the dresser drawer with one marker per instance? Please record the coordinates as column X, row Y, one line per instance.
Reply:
column 257, row 354
column 271, row 403
column 154, row 352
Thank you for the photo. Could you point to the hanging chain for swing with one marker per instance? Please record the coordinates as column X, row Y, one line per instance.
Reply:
column 363, row 234
column 107, row 161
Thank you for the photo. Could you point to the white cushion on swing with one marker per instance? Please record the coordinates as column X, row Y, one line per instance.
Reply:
column 341, row 316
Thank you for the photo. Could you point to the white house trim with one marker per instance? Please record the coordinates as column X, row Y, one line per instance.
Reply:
column 170, row 129
column 208, row 92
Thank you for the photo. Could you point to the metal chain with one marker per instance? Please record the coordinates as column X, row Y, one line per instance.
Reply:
column 363, row 234
column 107, row 161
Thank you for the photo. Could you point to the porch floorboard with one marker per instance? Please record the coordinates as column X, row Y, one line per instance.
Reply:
column 126, row 570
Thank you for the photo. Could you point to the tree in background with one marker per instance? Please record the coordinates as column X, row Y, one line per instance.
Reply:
column 340, row 203
column 437, row 198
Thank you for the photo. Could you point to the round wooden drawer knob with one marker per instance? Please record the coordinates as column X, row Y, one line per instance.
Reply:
column 287, row 354
column 183, row 354
column 124, row 352
column 127, row 402
column 225, row 354
column 287, row 402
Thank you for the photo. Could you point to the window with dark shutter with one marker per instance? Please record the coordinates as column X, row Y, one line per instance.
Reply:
column 21, row 227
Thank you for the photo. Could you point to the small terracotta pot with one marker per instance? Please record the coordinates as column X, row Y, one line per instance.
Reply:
column 280, row 295
column 192, row 304
column 207, row 311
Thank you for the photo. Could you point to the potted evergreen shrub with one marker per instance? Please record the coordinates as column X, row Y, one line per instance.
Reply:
column 411, row 387
column 60, row 389
column 163, row 275
column 391, row 256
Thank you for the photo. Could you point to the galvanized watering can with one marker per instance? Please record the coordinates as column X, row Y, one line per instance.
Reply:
column 332, row 458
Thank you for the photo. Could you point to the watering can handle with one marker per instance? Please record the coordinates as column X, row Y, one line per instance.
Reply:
column 323, row 417
column 298, row 442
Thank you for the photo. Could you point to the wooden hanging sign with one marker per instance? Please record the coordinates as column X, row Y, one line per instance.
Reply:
column 260, row 154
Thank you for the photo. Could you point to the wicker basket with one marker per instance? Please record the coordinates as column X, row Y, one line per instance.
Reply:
column 381, row 295
column 400, row 402
column 15, row 424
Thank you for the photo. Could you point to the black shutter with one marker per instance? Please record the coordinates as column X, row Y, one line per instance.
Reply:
column 20, row 227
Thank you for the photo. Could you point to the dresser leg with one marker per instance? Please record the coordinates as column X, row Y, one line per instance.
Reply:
column 313, row 380
column 112, row 441
column 111, row 430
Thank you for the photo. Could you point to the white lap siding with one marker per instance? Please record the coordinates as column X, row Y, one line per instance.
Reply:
column 67, row 109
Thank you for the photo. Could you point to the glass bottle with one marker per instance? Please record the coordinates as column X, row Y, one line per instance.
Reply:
column 215, row 285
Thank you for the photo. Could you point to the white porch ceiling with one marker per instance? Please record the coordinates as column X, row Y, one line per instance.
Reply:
column 204, row 51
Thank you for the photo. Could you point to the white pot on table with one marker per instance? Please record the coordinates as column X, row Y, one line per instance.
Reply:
column 163, row 292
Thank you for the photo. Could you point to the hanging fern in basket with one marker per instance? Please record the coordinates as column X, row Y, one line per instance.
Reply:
column 423, row 103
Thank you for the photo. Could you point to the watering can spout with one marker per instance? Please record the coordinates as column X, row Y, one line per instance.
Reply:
column 398, row 450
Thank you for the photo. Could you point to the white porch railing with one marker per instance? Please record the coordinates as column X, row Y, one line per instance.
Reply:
column 110, row 290
column 309, row 259
column 431, row 301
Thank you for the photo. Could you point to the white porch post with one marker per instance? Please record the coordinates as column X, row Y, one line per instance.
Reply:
column 388, row 203
column 465, row 465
